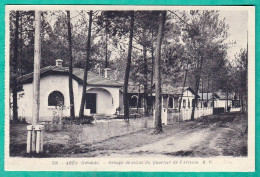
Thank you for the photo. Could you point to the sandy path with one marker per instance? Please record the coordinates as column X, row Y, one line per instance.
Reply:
column 175, row 143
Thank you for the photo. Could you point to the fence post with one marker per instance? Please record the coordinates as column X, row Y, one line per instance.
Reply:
column 39, row 138
column 29, row 138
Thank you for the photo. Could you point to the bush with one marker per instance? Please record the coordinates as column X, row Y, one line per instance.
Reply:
column 21, row 120
column 86, row 119
column 77, row 120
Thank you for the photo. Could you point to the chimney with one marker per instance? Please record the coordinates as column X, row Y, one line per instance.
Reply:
column 107, row 72
column 59, row 62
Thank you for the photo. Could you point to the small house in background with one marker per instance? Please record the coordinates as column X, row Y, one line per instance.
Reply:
column 103, row 95
column 187, row 98
column 206, row 99
column 226, row 100
column 171, row 97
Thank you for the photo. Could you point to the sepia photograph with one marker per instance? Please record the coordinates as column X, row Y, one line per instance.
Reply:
column 129, row 88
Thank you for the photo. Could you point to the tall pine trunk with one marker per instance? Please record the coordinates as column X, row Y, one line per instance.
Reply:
column 128, row 65
column 194, row 103
column 208, row 94
column 157, row 73
column 83, row 97
column 14, row 86
column 184, row 83
column 242, row 102
column 213, row 97
column 152, row 72
column 202, row 94
column 227, row 100
column 145, row 73
column 71, row 94
column 198, row 73
column 106, row 52
column 21, row 47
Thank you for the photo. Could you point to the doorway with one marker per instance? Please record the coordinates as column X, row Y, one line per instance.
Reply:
column 91, row 102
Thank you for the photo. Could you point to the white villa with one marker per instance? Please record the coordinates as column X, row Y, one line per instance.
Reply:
column 104, row 95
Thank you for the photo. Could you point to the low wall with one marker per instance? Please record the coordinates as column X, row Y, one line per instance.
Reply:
column 235, row 109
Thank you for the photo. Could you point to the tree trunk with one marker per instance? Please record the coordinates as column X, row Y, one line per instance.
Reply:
column 157, row 72
column 213, row 100
column 227, row 100
column 14, row 86
column 145, row 73
column 242, row 102
column 208, row 93
column 106, row 52
column 21, row 47
column 194, row 104
column 71, row 94
column 152, row 71
column 137, row 101
column 184, row 83
column 202, row 104
column 83, row 97
column 213, row 97
column 128, row 65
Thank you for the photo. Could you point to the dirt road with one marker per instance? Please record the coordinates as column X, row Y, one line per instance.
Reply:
column 220, row 136
column 215, row 135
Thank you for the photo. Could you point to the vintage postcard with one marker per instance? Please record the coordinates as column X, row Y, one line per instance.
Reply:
column 130, row 88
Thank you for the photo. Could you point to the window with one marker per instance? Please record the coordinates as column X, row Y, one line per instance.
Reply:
column 134, row 100
column 56, row 98
column 184, row 103
column 188, row 103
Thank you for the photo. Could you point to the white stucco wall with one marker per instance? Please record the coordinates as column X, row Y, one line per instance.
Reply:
column 187, row 96
column 48, row 84
column 222, row 103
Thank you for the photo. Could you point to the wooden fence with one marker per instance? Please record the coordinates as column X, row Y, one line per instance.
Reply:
column 235, row 109
column 172, row 116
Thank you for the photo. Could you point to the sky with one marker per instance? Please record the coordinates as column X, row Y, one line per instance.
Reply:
column 238, row 27
column 237, row 20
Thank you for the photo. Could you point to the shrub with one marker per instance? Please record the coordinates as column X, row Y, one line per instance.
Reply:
column 21, row 120
column 77, row 120
column 86, row 119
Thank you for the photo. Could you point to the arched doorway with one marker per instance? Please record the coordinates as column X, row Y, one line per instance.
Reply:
column 99, row 101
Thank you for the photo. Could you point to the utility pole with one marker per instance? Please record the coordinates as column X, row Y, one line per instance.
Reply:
column 35, row 135
column 37, row 66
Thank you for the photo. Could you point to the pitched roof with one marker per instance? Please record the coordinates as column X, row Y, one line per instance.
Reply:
column 135, row 88
column 166, row 89
column 78, row 74
column 95, row 79
column 223, row 96
column 209, row 95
